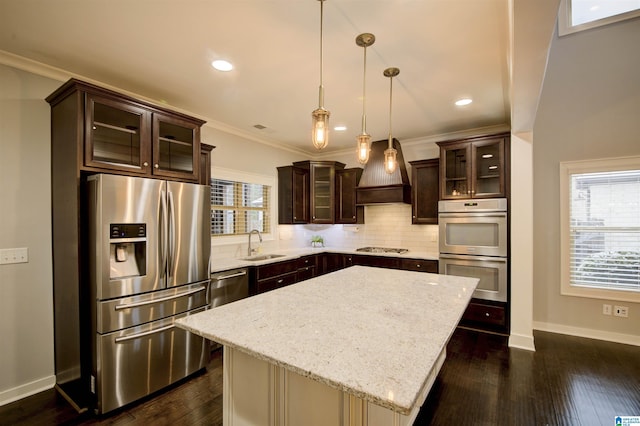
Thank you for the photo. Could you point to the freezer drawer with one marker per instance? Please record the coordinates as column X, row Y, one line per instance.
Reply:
column 135, row 362
column 131, row 311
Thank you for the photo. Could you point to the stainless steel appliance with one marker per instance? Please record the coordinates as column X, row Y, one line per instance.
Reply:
column 473, row 243
column 149, row 245
column 382, row 250
column 229, row 286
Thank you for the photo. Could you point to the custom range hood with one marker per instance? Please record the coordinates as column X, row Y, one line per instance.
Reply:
column 377, row 186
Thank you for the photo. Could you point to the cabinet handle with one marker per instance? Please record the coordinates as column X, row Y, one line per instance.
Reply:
column 280, row 282
column 468, row 192
column 486, row 314
column 145, row 164
column 414, row 216
column 418, row 265
column 157, row 166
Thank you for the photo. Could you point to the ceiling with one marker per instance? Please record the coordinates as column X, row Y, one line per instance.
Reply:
column 162, row 50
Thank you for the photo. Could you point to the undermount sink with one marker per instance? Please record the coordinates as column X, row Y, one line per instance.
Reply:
column 262, row 257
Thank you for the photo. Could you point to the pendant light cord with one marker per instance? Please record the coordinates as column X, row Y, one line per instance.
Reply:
column 390, row 101
column 364, row 87
column 321, row 88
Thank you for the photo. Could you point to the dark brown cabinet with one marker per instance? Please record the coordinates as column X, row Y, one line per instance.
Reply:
column 474, row 168
column 425, row 191
column 486, row 316
column 272, row 276
column 307, row 267
column 346, row 209
column 205, row 164
column 114, row 132
column 419, row 265
column 293, row 195
column 376, row 261
column 322, row 175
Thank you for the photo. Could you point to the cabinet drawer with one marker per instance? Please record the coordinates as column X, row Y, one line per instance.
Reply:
column 276, row 282
column 376, row 261
column 275, row 269
column 486, row 314
column 307, row 261
column 419, row 265
column 306, row 273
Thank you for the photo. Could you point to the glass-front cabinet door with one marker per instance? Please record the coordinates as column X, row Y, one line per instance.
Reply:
column 176, row 145
column 117, row 135
column 488, row 173
column 456, row 169
column 322, row 193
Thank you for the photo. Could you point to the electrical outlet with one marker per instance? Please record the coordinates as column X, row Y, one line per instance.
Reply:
column 621, row 311
column 14, row 255
column 606, row 309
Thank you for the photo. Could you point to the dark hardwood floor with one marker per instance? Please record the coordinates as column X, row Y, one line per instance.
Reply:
column 567, row 381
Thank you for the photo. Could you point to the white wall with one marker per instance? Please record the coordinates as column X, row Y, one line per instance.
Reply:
column 589, row 109
column 26, row 296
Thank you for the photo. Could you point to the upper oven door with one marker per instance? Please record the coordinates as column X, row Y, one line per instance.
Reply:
column 483, row 234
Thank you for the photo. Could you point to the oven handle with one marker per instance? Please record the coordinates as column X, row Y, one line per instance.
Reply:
column 472, row 214
column 146, row 333
column 474, row 258
column 161, row 299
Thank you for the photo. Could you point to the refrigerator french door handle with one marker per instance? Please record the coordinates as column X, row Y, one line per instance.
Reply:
column 163, row 234
column 146, row 333
column 172, row 233
column 160, row 299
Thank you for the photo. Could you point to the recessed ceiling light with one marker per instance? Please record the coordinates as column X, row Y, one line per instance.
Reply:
column 463, row 101
column 340, row 128
column 222, row 65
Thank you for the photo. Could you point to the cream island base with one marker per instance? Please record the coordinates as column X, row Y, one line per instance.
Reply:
column 360, row 346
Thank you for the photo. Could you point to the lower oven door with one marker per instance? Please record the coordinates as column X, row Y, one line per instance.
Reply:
column 492, row 272
column 137, row 361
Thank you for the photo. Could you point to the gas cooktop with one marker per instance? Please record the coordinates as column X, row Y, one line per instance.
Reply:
column 382, row 250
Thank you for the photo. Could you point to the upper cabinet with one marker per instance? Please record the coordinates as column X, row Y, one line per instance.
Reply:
column 322, row 175
column 293, row 195
column 424, row 191
column 117, row 133
column 346, row 209
column 474, row 168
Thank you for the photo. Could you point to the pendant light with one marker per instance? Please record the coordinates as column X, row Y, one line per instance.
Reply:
column 363, row 140
column 390, row 162
column 320, row 117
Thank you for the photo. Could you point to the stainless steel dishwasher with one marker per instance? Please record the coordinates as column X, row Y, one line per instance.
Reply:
column 229, row 286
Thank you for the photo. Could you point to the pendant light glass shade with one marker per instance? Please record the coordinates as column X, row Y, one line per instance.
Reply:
column 363, row 140
column 320, row 117
column 320, row 130
column 390, row 154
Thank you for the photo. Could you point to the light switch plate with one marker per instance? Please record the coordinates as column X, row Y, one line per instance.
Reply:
column 14, row 255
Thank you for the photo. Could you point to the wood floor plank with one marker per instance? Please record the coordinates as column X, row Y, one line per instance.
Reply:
column 567, row 381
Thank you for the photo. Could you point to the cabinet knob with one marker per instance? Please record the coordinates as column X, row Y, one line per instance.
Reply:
column 145, row 164
column 486, row 314
column 157, row 166
column 418, row 265
column 354, row 217
column 280, row 282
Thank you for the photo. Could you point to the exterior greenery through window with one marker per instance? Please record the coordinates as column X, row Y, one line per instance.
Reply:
column 604, row 230
column 239, row 207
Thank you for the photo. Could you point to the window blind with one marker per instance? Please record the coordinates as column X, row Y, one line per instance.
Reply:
column 605, row 230
column 239, row 207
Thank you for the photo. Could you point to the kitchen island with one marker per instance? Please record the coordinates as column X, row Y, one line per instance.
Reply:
column 360, row 346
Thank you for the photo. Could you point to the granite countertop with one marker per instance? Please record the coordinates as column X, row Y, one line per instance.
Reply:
column 374, row 333
column 220, row 264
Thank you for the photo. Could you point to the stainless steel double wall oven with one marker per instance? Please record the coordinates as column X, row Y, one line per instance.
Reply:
column 473, row 242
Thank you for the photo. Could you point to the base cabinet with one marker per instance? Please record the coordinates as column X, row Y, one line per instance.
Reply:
column 486, row 316
column 257, row 392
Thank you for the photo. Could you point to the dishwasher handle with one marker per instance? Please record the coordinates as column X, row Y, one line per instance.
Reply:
column 226, row 277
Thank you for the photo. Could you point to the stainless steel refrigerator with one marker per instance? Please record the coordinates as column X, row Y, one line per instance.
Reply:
column 148, row 264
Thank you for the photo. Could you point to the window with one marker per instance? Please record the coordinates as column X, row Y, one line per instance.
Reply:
column 238, row 207
column 600, row 209
column 578, row 15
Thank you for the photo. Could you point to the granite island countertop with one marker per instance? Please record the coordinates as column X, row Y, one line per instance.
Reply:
column 374, row 333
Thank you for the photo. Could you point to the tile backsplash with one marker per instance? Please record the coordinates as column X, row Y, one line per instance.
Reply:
column 387, row 225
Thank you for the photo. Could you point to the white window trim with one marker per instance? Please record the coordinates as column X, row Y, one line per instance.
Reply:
column 564, row 19
column 247, row 177
column 568, row 168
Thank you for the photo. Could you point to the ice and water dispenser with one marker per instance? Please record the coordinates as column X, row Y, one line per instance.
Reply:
column 128, row 250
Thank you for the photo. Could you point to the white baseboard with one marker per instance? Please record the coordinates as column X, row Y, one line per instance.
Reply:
column 627, row 339
column 28, row 389
column 522, row 341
